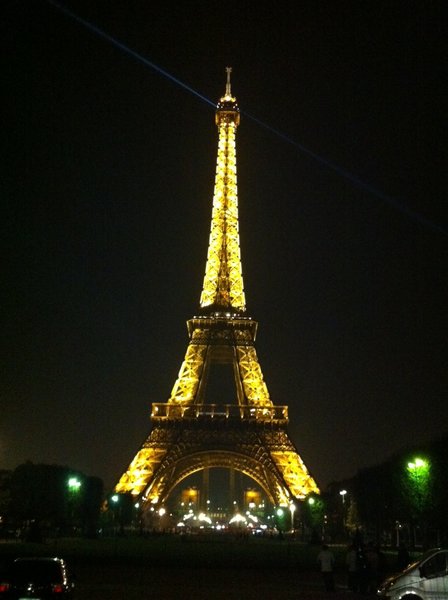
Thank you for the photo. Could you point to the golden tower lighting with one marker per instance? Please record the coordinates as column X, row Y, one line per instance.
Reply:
column 247, row 433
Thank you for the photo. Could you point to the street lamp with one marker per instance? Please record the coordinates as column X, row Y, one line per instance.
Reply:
column 418, row 463
column 280, row 513
column 292, row 508
column 73, row 484
column 343, row 493
column 115, row 512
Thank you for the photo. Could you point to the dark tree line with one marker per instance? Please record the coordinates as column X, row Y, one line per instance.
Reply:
column 400, row 493
column 38, row 499
column 403, row 499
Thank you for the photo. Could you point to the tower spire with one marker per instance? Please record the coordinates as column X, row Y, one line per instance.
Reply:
column 228, row 91
column 223, row 288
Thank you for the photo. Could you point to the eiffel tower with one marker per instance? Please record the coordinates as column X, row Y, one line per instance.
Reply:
column 249, row 433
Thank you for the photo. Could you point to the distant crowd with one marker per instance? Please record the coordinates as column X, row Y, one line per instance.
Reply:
column 364, row 564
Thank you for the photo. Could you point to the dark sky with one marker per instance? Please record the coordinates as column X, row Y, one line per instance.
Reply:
column 108, row 172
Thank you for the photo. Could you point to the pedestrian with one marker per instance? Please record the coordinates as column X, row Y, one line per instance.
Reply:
column 351, row 561
column 326, row 560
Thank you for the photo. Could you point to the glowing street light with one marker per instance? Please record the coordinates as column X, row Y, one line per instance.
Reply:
column 73, row 484
column 292, row 508
column 418, row 463
column 343, row 493
column 280, row 520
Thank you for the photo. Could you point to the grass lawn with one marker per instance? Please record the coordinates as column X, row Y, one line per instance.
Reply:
column 170, row 550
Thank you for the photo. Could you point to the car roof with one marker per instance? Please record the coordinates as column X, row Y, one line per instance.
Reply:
column 39, row 558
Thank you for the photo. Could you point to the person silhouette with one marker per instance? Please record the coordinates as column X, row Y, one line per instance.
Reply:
column 326, row 560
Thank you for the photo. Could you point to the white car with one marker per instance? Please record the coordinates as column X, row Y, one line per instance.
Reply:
column 424, row 579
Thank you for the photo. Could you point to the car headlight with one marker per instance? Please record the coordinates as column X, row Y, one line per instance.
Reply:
column 384, row 588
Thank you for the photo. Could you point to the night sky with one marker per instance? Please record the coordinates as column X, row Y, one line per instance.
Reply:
column 108, row 171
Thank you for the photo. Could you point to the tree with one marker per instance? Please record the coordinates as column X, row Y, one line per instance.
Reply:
column 91, row 506
column 313, row 515
column 375, row 494
column 54, row 497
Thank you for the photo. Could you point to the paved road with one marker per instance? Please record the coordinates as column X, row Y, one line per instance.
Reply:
column 140, row 583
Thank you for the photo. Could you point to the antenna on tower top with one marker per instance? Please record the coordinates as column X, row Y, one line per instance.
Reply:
column 228, row 71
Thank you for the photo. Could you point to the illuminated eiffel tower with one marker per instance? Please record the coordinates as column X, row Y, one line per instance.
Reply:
column 249, row 433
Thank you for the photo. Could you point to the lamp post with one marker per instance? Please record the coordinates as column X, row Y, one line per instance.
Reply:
column 116, row 512
column 74, row 486
column 343, row 493
column 280, row 514
column 292, row 508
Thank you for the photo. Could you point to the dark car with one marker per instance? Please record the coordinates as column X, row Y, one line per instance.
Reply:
column 38, row 578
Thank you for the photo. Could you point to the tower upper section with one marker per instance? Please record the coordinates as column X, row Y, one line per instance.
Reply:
column 223, row 288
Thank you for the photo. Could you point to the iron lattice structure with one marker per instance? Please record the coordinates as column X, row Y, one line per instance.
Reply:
column 249, row 433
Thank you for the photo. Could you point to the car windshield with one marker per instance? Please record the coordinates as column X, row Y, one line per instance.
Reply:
column 419, row 560
column 36, row 571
